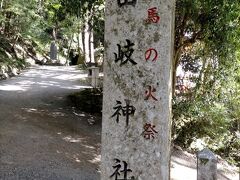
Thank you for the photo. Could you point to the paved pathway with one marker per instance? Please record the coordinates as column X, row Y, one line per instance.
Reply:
column 40, row 136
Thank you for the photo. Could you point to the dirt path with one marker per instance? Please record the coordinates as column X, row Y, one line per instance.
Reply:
column 40, row 136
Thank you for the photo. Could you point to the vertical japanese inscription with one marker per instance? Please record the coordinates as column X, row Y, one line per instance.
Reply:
column 126, row 111
column 149, row 93
column 149, row 131
column 151, row 54
column 121, row 171
column 135, row 66
column 125, row 53
column 153, row 16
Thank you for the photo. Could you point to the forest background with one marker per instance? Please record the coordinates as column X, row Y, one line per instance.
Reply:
column 206, row 83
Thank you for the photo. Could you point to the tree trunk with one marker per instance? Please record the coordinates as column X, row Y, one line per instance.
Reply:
column 80, row 47
column 2, row 23
column 176, row 58
column 91, row 45
column 1, row 6
column 7, row 24
column 80, row 43
column 86, row 43
column 70, row 44
column 54, row 34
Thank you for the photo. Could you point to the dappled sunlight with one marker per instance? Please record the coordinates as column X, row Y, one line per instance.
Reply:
column 79, row 114
column 30, row 110
column 87, row 152
column 71, row 76
column 45, row 124
column 58, row 114
column 25, row 82
column 73, row 140
column 53, row 77
column 73, row 157
column 96, row 160
column 52, row 113
column 77, row 87
column 89, row 147
column 48, row 83
column 76, row 158
column 11, row 88
column 20, row 117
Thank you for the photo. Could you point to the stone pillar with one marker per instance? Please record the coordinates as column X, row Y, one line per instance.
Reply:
column 53, row 51
column 94, row 76
column 137, row 89
column 206, row 165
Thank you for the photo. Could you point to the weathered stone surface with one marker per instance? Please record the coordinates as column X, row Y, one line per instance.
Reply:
column 144, row 82
column 53, row 51
column 207, row 165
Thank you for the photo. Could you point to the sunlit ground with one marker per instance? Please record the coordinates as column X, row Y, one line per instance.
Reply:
column 50, row 78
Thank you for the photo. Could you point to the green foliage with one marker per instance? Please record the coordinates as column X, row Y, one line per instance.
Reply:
column 91, row 11
column 207, row 46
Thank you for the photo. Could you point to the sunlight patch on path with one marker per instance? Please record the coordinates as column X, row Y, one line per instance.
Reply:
column 11, row 88
column 181, row 172
column 73, row 140
column 71, row 76
column 47, row 77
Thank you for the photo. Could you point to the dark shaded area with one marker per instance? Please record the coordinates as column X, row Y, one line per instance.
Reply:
column 88, row 100
column 73, row 58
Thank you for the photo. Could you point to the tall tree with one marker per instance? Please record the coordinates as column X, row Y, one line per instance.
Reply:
column 86, row 11
column 206, row 48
